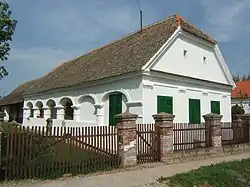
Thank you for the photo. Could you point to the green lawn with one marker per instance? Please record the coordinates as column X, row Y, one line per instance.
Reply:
column 231, row 174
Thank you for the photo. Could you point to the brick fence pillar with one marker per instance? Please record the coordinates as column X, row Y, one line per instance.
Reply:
column 213, row 130
column 2, row 115
column 246, row 126
column 237, row 126
column 164, row 125
column 127, row 142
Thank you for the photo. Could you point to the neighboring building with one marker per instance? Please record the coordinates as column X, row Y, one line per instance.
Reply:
column 170, row 66
column 241, row 95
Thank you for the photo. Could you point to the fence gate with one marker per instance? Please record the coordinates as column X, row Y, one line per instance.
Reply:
column 148, row 143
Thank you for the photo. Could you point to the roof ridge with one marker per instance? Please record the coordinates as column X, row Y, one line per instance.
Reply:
column 112, row 42
column 197, row 28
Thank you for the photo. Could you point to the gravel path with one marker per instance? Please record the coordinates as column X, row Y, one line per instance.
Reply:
column 135, row 178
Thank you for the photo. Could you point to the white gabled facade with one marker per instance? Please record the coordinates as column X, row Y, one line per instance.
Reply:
column 185, row 67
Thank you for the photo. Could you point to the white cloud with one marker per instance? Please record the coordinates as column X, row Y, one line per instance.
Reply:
column 227, row 19
column 39, row 58
column 27, row 64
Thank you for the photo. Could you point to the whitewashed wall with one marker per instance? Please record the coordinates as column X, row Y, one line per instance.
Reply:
column 181, row 92
column 98, row 94
column 172, row 75
column 192, row 64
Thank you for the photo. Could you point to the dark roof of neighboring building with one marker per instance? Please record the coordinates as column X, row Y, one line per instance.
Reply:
column 16, row 95
column 126, row 55
column 242, row 89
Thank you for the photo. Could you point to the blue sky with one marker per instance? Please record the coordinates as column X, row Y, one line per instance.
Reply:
column 50, row 32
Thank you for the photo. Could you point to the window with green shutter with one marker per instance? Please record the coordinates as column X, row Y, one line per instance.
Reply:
column 165, row 104
column 215, row 107
column 194, row 111
column 115, row 107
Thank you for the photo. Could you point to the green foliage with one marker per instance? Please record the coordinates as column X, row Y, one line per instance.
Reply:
column 236, row 109
column 238, row 78
column 231, row 174
column 7, row 28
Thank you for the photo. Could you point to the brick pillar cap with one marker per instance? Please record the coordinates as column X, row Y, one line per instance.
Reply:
column 126, row 115
column 49, row 120
column 244, row 116
column 163, row 116
column 212, row 116
column 2, row 114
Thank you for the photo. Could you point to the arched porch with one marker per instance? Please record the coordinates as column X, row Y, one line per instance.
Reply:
column 115, row 102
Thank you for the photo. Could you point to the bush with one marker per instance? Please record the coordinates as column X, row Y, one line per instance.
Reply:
column 236, row 109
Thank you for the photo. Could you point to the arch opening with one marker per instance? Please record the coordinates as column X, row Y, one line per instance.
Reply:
column 52, row 107
column 68, row 110
column 31, row 109
column 114, row 104
column 39, row 105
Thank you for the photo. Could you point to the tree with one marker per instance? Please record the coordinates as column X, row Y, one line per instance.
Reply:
column 7, row 28
column 236, row 78
column 244, row 78
column 248, row 76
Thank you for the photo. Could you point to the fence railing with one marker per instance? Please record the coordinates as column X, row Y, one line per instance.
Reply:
column 234, row 133
column 188, row 136
column 37, row 153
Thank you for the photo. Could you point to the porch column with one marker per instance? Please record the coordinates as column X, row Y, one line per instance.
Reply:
column 213, row 130
column 60, row 112
column 99, row 114
column 26, row 112
column 164, row 126
column 47, row 112
column 36, row 112
column 126, row 136
column 6, row 111
column 76, row 113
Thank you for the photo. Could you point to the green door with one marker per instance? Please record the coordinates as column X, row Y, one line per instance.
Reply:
column 165, row 104
column 215, row 107
column 115, row 107
column 194, row 111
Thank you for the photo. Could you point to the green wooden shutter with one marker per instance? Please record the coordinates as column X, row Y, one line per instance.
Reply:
column 165, row 104
column 111, row 110
column 115, row 107
column 194, row 111
column 215, row 107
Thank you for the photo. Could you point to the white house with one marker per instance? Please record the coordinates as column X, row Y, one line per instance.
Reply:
column 170, row 66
